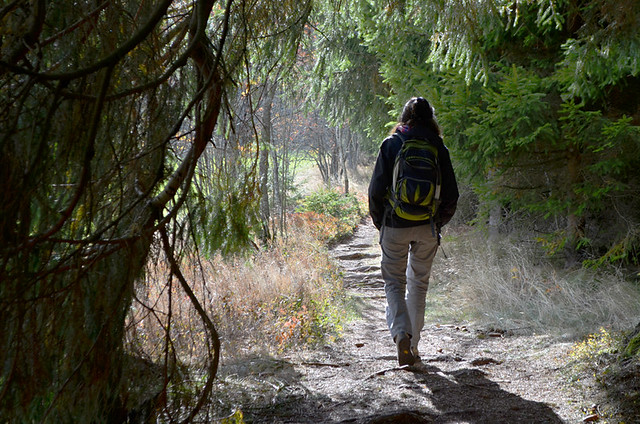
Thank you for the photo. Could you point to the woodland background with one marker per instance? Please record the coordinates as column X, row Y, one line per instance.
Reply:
column 149, row 149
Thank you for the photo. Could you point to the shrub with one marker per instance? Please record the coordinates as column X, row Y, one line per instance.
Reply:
column 329, row 214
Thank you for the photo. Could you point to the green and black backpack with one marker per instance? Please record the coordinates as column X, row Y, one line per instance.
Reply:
column 415, row 190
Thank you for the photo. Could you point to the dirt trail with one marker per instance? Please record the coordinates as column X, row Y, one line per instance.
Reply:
column 467, row 375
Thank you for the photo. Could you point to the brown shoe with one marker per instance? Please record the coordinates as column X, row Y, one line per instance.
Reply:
column 405, row 357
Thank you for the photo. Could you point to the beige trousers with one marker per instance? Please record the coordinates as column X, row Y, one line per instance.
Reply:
column 407, row 256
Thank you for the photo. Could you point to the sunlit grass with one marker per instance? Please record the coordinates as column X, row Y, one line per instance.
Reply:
column 513, row 286
column 277, row 298
column 307, row 176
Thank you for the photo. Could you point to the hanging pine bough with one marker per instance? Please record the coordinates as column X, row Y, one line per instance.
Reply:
column 89, row 117
column 105, row 109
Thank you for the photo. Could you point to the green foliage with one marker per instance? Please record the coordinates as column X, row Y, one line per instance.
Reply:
column 595, row 345
column 625, row 251
column 346, row 85
column 225, row 215
column 332, row 202
column 543, row 134
column 618, row 148
column 633, row 346
column 400, row 45
column 231, row 224
column 511, row 121
column 603, row 52
column 347, row 209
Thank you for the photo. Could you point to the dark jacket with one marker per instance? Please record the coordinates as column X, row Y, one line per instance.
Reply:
column 379, row 187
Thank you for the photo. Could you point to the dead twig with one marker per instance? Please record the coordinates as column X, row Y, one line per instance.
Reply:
column 324, row 364
column 384, row 371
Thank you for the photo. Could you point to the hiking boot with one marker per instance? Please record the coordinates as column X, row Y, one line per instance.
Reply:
column 405, row 357
column 415, row 353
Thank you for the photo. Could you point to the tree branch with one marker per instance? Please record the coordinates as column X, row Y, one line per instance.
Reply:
column 86, row 168
column 214, row 361
column 74, row 26
column 204, row 130
column 110, row 60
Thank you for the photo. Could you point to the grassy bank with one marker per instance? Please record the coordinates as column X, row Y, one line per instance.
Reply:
column 279, row 296
column 514, row 286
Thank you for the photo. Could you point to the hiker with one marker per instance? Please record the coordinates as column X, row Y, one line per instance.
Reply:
column 410, row 233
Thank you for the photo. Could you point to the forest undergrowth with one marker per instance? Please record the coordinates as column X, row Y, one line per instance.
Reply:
column 262, row 302
column 290, row 296
column 514, row 288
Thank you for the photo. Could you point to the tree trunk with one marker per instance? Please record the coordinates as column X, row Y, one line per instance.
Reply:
column 343, row 142
column 266, row 144
column 495, row 219
column 334, row 159
column 495, row 210
column 575, row 220
column 277, row 189
column 98, row 187
column 286, row 167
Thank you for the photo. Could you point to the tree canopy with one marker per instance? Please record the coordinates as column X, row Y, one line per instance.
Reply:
column 537, row 100
column 135, row 131
column 106, row 108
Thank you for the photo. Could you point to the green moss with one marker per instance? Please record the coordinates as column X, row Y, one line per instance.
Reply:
column 633, row 347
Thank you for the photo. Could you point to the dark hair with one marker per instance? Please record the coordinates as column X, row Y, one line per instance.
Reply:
column 417, row 112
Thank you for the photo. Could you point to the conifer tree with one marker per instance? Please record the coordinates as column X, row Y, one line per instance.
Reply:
column 105, row 110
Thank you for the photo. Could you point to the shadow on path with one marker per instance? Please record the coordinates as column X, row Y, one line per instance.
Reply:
column 466, row 395
column 462, row 396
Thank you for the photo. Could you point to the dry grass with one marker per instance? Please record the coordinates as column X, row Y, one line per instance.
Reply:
column 515, row 287
column 274, row 299
column 262, row 304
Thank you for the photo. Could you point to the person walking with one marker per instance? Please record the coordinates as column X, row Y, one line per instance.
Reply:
column 408, row 242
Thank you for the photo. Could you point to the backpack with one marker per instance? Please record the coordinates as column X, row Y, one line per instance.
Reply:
column 415, row 189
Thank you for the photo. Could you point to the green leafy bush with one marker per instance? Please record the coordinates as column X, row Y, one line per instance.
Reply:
column 343, row 210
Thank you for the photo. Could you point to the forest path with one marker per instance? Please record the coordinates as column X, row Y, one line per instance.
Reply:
column 467, row 375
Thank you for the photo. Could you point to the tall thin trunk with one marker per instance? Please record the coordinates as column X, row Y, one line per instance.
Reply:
column 495, row 211
column 277, row 204
column 575, row 221
column 342, row 142
column 266, row 144
column 286, row 159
